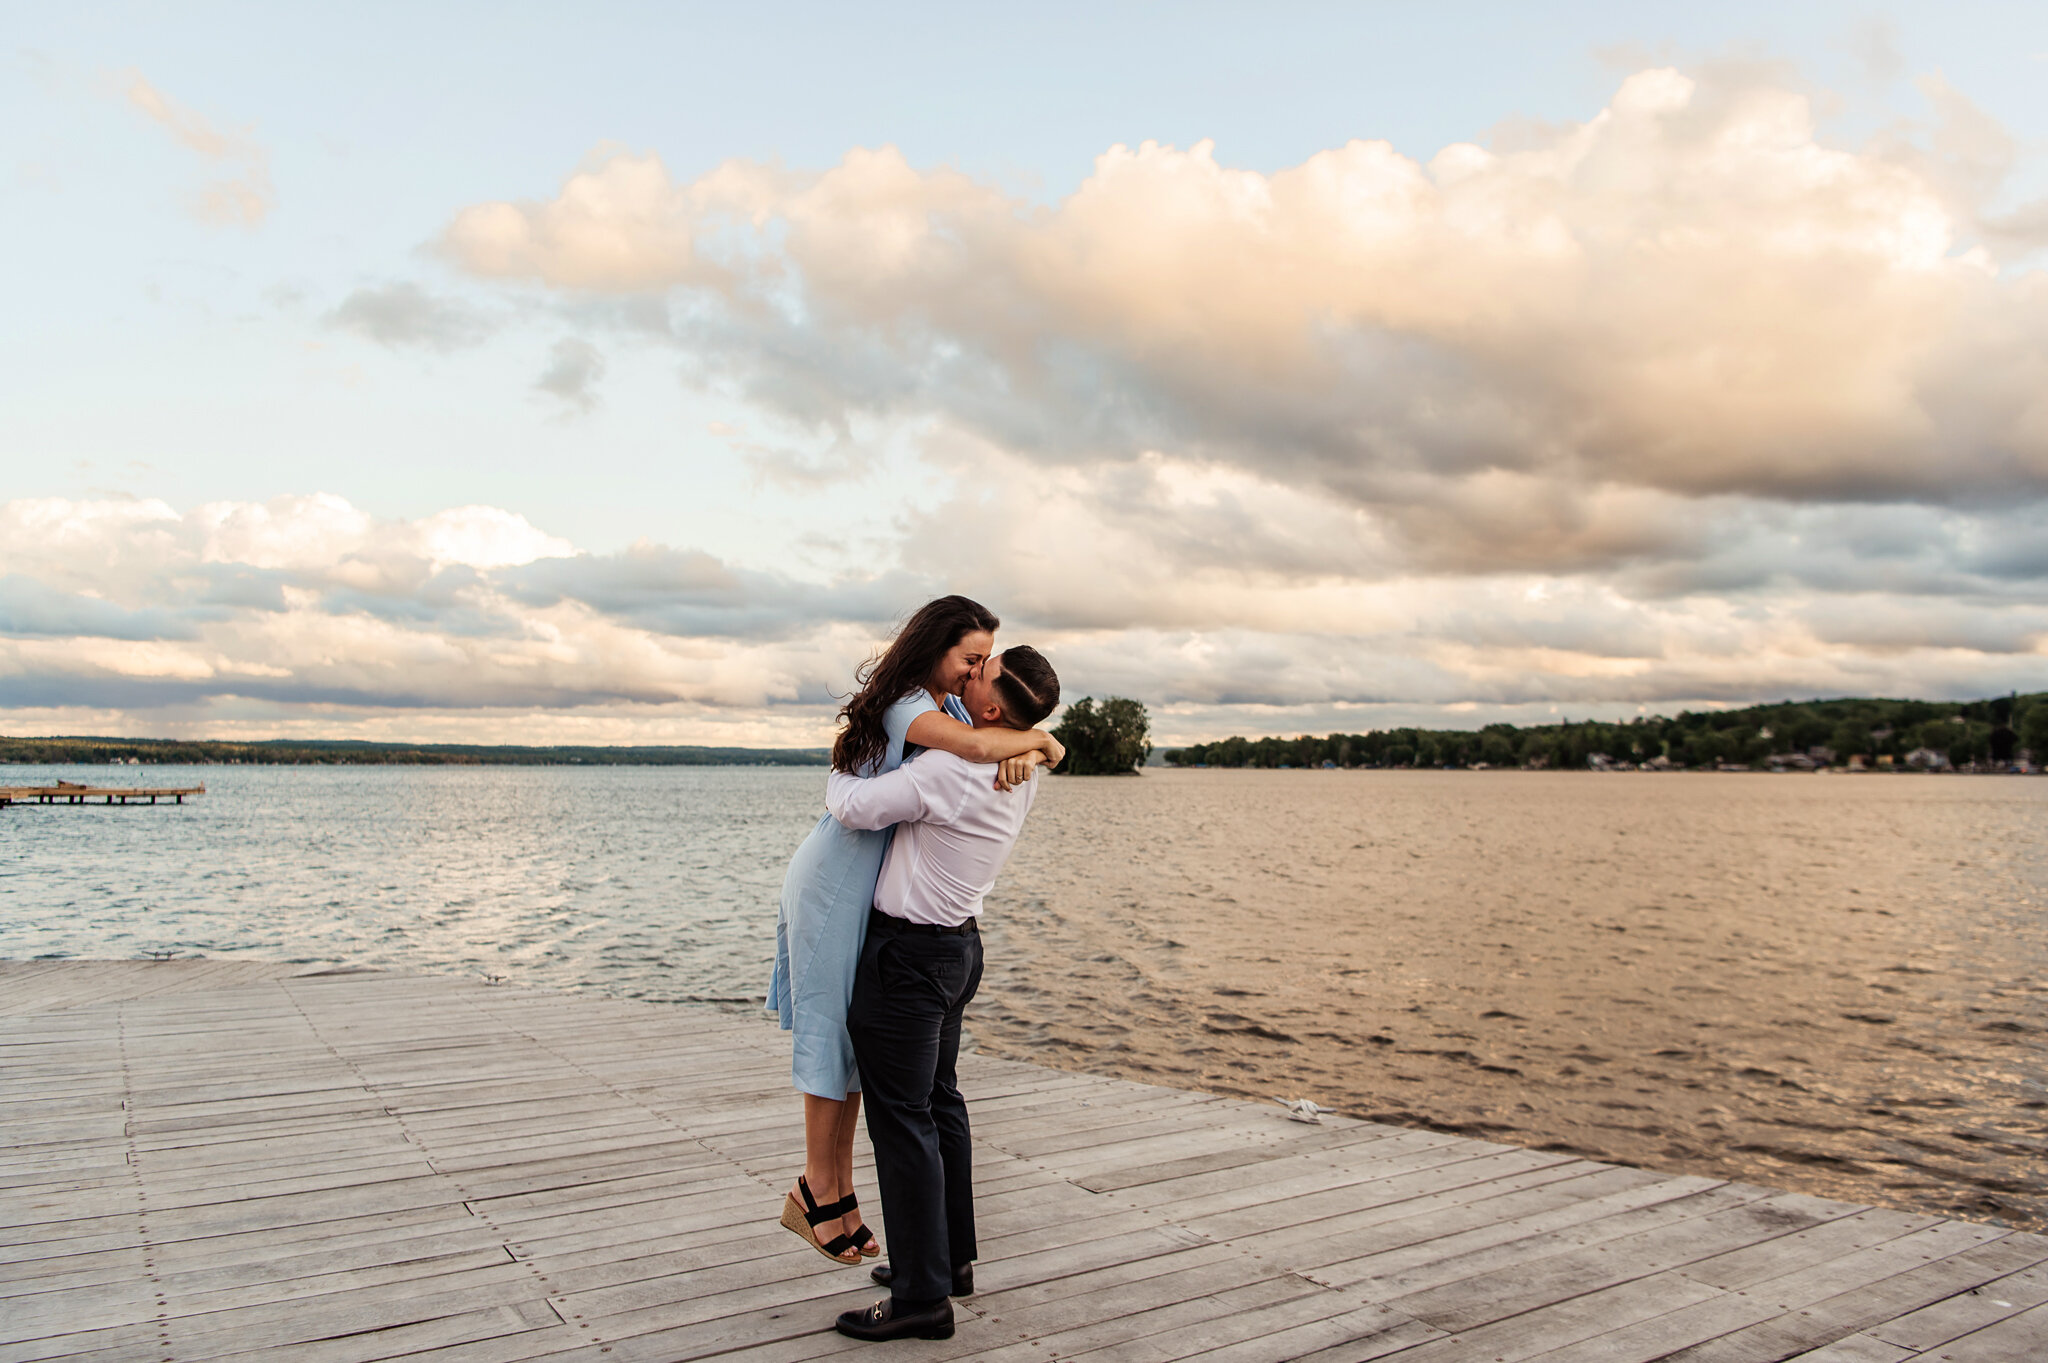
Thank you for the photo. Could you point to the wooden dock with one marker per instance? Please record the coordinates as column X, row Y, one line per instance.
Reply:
column 232, row 1160
column 72, row 793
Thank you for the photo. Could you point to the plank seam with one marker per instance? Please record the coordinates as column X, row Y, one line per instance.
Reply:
column 156, row 1285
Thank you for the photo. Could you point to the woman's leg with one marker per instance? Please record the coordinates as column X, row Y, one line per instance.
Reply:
column 849, row 1127
column 822, row 1118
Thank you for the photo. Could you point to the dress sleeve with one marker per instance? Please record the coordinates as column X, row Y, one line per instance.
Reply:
column 896, row 722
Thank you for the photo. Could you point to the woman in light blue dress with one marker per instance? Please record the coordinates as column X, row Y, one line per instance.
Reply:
column 908, row 699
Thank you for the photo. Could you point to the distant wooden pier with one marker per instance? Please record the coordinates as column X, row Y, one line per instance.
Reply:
column 235, row 1159
column 72, row 793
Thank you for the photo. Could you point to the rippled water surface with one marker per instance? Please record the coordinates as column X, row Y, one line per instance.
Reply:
column 652, row 882
column 1833, row 984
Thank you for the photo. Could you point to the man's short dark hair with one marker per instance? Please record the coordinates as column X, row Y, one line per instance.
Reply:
column 1027, row 686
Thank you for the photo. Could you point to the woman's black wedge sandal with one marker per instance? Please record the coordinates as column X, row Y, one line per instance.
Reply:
column 806, row 1218
column 863, row 1239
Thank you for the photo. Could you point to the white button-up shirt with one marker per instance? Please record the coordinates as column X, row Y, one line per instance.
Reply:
column 954, row 832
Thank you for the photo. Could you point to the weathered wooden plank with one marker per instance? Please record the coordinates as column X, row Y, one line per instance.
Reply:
column 204, row 1245
column 622, row 1164
column 1025, row 1132
column 1397, row 1154
column 29, row 989
column 1857, row 1349
column 1659, row 1336
column 492, row 1324
column 1753, row 1264
column 1966, row 1312
column 1195, row 1317
column 1598, row 1256
column 2016, row 1339
column 197, row 1265
column 687, row 1213
column 1824, row 1320
column 1440, row 1225
column 1358, row 1336
column 251, row 1214
column 1250, row 1328
column 1174, row 1143
column 200, row 1293
column 1561, row 1327
column 1162, row 1171
column 350, row 1312
column 1414, row 1263
column 1305, row 1207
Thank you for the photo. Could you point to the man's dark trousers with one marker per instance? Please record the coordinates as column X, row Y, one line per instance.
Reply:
column 908, row 996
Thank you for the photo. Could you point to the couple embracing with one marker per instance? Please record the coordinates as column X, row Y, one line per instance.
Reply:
column 878, row 949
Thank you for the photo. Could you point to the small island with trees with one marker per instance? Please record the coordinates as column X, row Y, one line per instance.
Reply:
column 1109, row 739
column 2006, row 733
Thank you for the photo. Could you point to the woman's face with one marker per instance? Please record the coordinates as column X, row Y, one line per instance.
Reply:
column 962, row 658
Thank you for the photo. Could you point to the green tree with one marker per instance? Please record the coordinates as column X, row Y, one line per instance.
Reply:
column 1708, row 746
column 2033, row 727
column 1106, row 739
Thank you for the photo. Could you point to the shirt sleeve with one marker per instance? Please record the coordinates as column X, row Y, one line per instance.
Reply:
column 881, row 801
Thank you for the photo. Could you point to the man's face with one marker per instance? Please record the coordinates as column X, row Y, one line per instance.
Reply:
column 979, row 694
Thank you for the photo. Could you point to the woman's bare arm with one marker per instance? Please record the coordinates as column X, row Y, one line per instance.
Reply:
column 934, row 730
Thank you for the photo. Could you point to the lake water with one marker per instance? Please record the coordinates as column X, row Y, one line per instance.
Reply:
column 1832, row 984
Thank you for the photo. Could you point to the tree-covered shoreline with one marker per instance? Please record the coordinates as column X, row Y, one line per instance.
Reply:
column 340, row 752
column 1976, row 735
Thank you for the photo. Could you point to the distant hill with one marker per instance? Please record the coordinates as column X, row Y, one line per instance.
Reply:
column 1981, row 734
column 348, row 752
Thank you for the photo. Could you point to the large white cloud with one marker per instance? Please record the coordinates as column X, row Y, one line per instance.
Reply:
column 1691, row 292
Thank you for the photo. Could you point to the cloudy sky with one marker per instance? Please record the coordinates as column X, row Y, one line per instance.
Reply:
column 477, row 374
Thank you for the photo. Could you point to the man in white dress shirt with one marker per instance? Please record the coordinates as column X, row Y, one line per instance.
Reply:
column 919, row 968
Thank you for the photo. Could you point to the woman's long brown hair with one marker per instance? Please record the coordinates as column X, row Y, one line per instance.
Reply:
column 904, row 666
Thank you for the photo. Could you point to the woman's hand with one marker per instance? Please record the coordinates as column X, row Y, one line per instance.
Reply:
column 1055, row 751
column 1015, row 771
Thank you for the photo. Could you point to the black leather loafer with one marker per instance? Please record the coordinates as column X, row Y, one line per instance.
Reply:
column 963, row 1278
column 883, row 1321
